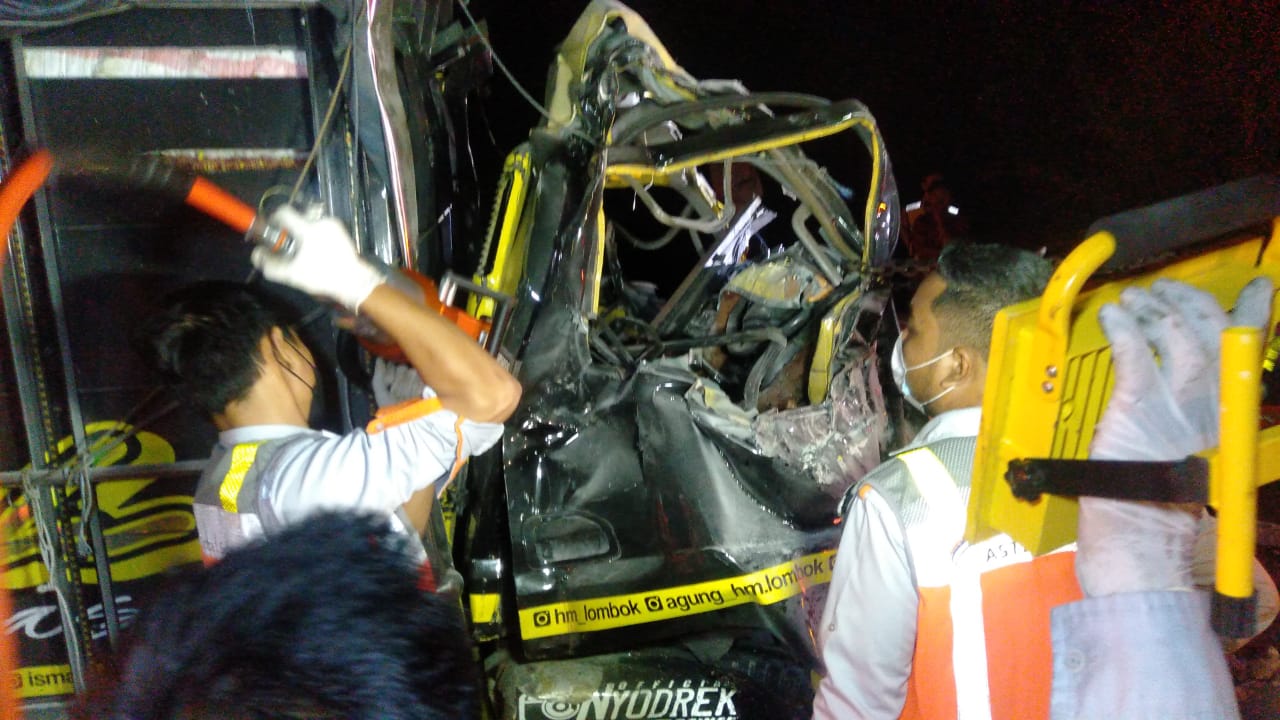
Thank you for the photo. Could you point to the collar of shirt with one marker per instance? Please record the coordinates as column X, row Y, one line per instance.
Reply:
column 963, row 422
column 258, row 433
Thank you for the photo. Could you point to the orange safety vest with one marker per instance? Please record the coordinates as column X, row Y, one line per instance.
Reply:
column 983, row 645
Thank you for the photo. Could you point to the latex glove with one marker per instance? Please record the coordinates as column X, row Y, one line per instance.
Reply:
column 324, row 261
column 394, row 383
column 1163, row 411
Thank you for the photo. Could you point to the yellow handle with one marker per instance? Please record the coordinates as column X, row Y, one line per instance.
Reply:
column 1237, row 491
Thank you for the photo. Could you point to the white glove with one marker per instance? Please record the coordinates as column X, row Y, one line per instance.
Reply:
column 394, row 383
column 1163, row 411
column 324, row 261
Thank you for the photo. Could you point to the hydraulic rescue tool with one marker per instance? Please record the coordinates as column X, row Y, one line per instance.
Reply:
column 154, row 173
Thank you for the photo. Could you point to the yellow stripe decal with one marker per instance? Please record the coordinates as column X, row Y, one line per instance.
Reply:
column 762, row 587
column 241, row 460
column 484, row 607
column 42, row 681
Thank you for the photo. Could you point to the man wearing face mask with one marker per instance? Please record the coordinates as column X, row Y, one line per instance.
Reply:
column 919, row 624
column 887, row 627
column 244, row 365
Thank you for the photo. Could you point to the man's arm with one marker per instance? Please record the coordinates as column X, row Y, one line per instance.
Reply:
column 868, row 631
column 1141, row 656
column 379, row 471
column 467, row 379
column 1139, row 646
column 325, row 263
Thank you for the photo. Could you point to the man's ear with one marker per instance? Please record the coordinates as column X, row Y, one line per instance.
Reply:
column 274, row 341
column 967, row 366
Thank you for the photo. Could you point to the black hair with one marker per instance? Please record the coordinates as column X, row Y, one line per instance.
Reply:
column 982, row 279
column 324, row 620
column 206, row 340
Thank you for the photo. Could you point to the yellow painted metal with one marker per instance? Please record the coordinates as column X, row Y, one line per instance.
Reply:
column 1049, row 377
column 571, row 59
column 660, row 175
column 485, row 607
column 508, row 256
column 591, row 303
column 829, row 331
column 1236, row 486
column 1022, row 395
column 615, row 178
column 648, row 173
column 1267, row 469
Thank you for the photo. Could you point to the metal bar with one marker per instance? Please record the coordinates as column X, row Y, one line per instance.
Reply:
column 380, row 46
column 64, row 572
column 336, row 183
column 53, row 276
column 101, row 562
column 53, row 477
column 73, row 547
column 503, row 305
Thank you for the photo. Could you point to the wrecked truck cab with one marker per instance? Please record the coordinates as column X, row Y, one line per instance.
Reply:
column 700, row 385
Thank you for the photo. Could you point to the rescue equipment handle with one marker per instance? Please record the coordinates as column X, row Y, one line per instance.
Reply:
column 155, row 173
column 15, row 191
column 1226, row 477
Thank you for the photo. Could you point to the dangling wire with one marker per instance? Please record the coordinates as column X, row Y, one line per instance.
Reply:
column 484, row 39
column 338, row 90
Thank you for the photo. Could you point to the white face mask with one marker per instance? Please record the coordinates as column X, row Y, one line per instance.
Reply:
column 898, row 367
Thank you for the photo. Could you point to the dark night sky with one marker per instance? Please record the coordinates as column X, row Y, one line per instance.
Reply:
column 1042, row 116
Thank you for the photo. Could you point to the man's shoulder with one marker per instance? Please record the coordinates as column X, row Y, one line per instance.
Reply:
column 894, row 469
column 892, row 478
column 259, row 435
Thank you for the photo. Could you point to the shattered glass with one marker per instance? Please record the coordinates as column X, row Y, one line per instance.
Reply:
column 836, row 441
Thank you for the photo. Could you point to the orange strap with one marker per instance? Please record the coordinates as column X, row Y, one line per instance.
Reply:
column 410, row 410
column 401, row 413
column 459, row 459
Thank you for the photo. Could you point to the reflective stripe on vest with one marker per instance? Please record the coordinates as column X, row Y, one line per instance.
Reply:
column 225, row 502
column 983, row 648
column 242, row 457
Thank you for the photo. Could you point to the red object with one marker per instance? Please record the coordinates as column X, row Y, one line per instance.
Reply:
column 426, row 577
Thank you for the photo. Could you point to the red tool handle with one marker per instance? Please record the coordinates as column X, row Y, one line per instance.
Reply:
column 15, row 191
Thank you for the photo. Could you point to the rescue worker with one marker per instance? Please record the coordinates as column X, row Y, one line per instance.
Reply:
column 1139, row 645
column 917, row 623
column 935, row 224
column 256, row 379
column 323, row 620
